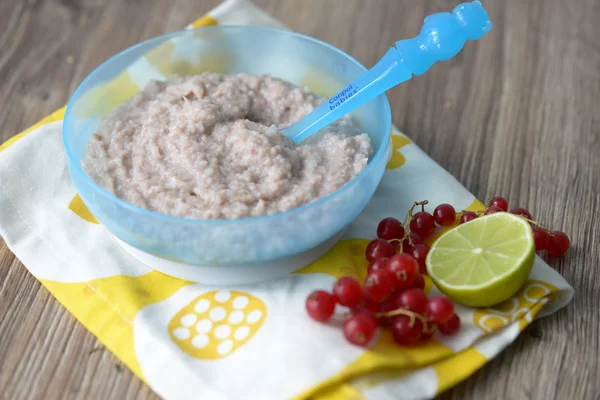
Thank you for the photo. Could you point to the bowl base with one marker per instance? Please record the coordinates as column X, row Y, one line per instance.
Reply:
column 238, row 275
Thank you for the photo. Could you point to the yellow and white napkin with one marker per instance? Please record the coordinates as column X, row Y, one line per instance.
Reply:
column 190, row 341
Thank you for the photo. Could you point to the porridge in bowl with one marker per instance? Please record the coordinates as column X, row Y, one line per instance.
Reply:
column 210, row 147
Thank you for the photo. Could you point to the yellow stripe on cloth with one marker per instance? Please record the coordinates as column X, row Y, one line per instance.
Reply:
column 78, row 207
column 385, row 354
column 397, row 159
column 341, row 392
column 457, row 368
column 450, row 371
column 207, row 20
column 107, row 307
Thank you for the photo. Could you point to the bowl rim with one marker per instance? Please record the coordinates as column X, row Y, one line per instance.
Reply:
column 195, row 221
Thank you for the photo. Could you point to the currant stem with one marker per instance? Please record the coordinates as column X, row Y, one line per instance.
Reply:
column 406, row 224
column 478, row 212
column 427, row 328
column 402, row 311
column 537, row 224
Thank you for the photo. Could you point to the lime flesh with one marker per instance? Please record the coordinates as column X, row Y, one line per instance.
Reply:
column 483, row 262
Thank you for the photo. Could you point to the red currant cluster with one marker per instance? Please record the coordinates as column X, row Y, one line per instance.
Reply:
column 392, row 295
column 556, row 243
column 392, row 298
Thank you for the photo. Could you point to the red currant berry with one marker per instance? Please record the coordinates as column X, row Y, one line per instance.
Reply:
column 396, row 244
column 422, row 224
column 492, row 210
column 499, row 202
column 414, row 300
column 380, row 263
column 522, row 212
column 444, row 215
column 379, row 248
column 404, row 332
column 395, row 294
column 467, row 216
column 558, row 244
column 541, row 238
column 368, row 304
column 407, row 247
column 377, row 285
column 360, row 328
column 426, row 335
column 418, row 283
column 402, row 270
column 320, row 305
column 388, row 304
column 390, row 228
column 451, row 326
column 439, row 309
column 348, row 292
column 419, row 252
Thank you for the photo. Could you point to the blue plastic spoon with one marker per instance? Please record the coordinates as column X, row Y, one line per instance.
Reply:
column 442, row 36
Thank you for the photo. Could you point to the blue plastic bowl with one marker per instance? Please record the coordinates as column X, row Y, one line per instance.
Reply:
column 297, row 58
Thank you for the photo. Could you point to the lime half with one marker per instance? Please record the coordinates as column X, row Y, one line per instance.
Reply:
column 483, row 262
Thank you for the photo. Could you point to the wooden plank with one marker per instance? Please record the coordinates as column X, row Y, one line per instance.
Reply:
column 516, row 115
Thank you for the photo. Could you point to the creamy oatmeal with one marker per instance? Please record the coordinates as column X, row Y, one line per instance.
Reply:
column 209, row 146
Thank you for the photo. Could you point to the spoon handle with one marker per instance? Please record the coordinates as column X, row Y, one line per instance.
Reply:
column 442, row 36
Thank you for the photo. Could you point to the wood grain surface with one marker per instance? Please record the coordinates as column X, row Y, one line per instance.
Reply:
column 517, row 114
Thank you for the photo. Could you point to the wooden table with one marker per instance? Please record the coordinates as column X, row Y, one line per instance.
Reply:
column 516, row 115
